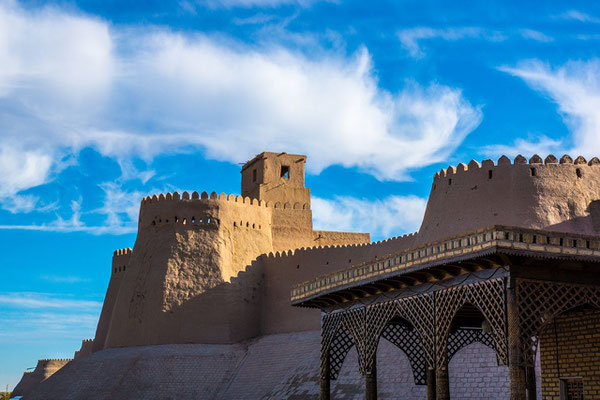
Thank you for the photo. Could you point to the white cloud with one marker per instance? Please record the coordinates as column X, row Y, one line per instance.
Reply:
column 411, row 38
column 536, row 35
column 72, row 82
column 575, row 89
column 33, row 300
column 64, row 279
column 383, row 218
column 540, row 145
column 190, row 6
column 575, row 15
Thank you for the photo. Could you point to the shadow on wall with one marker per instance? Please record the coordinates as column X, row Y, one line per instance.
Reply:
column 594, row 210
column 227, row 313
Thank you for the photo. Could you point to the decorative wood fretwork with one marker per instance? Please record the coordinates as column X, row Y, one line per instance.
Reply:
column 464, row 337
column 407, row 339
column 540, row 302
column 488, row 297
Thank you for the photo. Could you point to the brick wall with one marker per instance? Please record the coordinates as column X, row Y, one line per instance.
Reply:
column 570, row 347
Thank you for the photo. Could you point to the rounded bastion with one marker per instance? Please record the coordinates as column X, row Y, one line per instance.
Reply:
column 560, row 195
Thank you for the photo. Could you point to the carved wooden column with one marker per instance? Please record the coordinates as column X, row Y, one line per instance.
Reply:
column 430, row 383
column 516, row 370
column 371, row 381
column 325, row 383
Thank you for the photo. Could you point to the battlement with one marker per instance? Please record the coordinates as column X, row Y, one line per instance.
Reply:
column 519, row 160
column 204, row 196
column 122, row 252
column 294, row 252
column 121, row 260
column 558, row 194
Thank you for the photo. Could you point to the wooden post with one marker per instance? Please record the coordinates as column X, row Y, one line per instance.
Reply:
column 430, row 383
column 530, row 375
column 516, row 370
column 442, row 384
column 371, row 381
column 325, row 383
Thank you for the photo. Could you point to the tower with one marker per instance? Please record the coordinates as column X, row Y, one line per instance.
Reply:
column 275, row 177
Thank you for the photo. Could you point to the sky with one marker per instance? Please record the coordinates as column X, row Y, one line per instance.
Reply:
column 104, row 102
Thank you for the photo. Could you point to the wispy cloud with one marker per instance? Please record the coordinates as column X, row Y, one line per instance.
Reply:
column 383, row 218
column 190, row 5
column 33, row 300
column 575, row 89
column 142, row 93
column 412, row 38
column 535, row 35
column 64, row 279
column 575, row 15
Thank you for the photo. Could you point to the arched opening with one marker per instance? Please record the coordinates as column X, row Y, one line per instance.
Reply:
column 401, row 362
column 473, row 370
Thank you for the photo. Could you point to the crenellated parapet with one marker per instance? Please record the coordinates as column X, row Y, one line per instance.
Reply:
column 541, row 193
column 203, row 210
column 121, row 260
column 519, row 162
column 175, row 196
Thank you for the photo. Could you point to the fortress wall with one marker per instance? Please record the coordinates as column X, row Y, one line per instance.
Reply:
column 282, row 270
column 292, row 226
column 43, row 370
column 331, row 238
column 118, row 269
column 544, row 194
column 186, row 246
column 86, row 348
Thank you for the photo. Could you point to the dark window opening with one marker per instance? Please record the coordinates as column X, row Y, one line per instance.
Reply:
column 490, row 174
column 285, row 172
column 571, row 388
column 298, row 266
column 532, row 171
column 561, row 242
column 534, row 240
column 254, row 175
column 449, row 181
column 587, row 244
column 578, row 172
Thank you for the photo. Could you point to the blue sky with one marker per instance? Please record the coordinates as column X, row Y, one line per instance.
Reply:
column 104, row 102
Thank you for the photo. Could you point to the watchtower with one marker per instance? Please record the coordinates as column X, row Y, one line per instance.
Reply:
column 275, row 177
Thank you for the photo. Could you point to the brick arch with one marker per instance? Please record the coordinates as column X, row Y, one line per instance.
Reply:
column 540, row 302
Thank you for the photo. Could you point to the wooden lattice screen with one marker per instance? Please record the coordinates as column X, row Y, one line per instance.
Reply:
column 540, row 301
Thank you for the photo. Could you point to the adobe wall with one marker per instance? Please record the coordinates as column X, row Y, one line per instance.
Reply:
column 185, row 246
column 544, row 194
column 120, row 261
column 570, row 347
column 87, row 347
column 44, row 369
column 282, row 270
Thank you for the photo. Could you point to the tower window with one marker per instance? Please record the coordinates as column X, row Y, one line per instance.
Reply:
column 254, row 175
column 285, row 172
